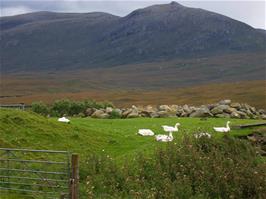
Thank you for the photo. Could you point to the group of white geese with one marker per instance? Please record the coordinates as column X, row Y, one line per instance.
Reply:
column 171, row 129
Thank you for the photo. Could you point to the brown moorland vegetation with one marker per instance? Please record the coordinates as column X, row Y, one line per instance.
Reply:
column 251, row 92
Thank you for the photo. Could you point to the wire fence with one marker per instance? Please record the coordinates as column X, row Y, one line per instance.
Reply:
column 35, row 173
column 21, row 106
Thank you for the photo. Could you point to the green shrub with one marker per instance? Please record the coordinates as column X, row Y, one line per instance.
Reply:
column 68, row 107
column 202, row 168
column 40, row 108
column 61, row 107
column 115, row 115
column 76, row 108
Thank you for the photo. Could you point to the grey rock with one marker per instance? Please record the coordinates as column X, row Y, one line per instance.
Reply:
column 219, row 109
column 235, row 105
column 108, row 110
column 164, row 108
column 133, row 114
column 222, row 115
column 201, row 112
column 187, row 109
column 180, row 112
column 263, row 116
column 262, row 111
column 243, row 115
column 100, row 114
column 230, row 110
column 225, row 102
column 235, row 115
column 154, row 115
column 126, row 112
column 89, row 111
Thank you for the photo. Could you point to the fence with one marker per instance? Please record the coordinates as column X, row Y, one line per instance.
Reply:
column 21, row 106
column 39, row 173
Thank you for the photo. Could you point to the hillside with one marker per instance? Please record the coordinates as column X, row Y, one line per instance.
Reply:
column 46, row 41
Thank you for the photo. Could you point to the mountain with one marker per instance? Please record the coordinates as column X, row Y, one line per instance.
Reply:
column 47, row 41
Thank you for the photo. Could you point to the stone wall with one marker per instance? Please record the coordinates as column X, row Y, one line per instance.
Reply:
column 222, row 109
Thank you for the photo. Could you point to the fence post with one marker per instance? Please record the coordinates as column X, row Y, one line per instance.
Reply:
column 74, row 182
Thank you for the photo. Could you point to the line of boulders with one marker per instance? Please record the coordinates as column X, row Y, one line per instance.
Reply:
column 223, row 109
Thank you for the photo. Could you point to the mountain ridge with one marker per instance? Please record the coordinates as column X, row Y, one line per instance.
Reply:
column 46, row 41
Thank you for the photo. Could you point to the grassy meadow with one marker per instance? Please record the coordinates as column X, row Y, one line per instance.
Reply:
column 114, row 138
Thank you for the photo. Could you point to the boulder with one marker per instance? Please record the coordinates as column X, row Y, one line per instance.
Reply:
column 164, row 108
column 211, row 106
column 235, row 105
column 246, row 106
column 126, row 112
column 263, row 116
column 235, row 115
column 154, row 115
column 133, row 114
column 187, row 109
column 180, row 112
column 250, row 114
column 262, row 111
column 89, row 111
column 230, row 110
column 148, row 111
column 201, row 112
column 174, row 108
column 108, row 110
column 243, row 115
column 100, row 114
column 184, row 114
column 222, row 115
column 225, row 102
column 219, row 109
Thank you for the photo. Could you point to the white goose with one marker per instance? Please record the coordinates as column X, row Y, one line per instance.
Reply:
column 146, row 132
column 171, row 128
column 164, row 138
column 63, row 119
column 223, row 129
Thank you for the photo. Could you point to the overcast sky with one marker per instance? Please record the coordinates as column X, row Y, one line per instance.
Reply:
column 251, row 12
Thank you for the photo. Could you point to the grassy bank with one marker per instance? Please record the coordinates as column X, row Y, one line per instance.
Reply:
column 115, row 138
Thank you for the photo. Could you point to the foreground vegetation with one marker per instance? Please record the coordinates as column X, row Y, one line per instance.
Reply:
column 117, row 139
column 204, row 168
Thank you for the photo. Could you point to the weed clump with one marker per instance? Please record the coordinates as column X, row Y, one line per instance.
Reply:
column 195, row 168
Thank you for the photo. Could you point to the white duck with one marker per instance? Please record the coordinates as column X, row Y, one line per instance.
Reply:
column 171, row 128
column 164, row 138
column 146, row 132
column 223, row 129
column 63, row 119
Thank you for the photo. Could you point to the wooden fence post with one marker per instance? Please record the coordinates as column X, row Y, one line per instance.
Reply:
column 74, row 183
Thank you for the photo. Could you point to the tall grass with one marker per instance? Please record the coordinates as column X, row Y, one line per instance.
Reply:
column 203, row 168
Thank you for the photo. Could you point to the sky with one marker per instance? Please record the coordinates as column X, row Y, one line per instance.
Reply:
column 251, row 12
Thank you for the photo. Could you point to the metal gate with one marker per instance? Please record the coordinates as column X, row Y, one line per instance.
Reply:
column 38, row 173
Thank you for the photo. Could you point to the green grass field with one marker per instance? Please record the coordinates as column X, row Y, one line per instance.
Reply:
column 114, row 137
